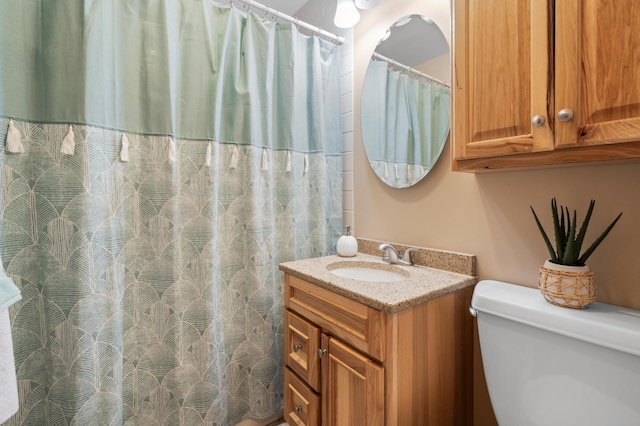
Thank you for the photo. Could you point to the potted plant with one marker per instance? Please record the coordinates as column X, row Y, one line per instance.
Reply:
column 564, row 279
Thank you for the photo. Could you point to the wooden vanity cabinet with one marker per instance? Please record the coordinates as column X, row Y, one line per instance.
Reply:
column 412, row 367
column 521, row 65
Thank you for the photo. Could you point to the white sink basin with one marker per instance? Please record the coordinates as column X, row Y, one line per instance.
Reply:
column 367, row 271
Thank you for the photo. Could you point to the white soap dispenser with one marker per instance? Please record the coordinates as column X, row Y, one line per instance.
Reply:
column 347, row 244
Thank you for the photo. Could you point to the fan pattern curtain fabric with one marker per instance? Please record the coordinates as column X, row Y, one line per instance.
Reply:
column 151, row 290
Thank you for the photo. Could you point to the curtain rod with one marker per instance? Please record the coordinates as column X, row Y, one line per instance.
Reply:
column 409, row 69
column 279, row 15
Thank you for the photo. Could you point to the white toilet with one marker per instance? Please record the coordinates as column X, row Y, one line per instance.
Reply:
column 547, row 366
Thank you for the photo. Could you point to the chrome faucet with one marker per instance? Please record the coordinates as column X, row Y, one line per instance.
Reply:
column 392, row 256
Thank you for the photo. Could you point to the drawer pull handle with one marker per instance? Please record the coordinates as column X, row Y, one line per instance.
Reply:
column 321, row 352
column 296, row 348
column 297, row 409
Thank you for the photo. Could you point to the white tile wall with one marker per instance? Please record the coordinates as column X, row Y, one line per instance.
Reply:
column 320, row 13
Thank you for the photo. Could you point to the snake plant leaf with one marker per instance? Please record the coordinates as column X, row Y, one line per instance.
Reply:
column 583, row 228
column 564, row 227
column 572, row 250
column 568, row 238
column 552, row 253
column 597, row 242
column 558, row 226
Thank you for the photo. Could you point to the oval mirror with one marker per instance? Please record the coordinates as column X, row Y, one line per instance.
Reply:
column 405, row 105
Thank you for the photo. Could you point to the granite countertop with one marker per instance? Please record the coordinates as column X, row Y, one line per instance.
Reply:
column 422, row 283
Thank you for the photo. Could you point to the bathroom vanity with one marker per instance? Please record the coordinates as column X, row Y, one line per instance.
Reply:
column 360, row 352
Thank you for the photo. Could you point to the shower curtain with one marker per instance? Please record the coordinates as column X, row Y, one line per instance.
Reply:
column 411, row 124
column 173, row 154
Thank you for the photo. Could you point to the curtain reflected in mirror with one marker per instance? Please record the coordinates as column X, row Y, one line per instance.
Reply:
column 405, row 108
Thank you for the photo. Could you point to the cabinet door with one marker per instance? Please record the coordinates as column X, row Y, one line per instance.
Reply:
column 502, row 78
column 352, row 388
column 302, row 340
column 597, row 68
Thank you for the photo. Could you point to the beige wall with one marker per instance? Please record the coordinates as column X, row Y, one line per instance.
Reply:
column 488, row 214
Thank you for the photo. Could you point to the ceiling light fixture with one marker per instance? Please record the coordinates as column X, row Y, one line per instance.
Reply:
column 366, row 4
column 346, row 14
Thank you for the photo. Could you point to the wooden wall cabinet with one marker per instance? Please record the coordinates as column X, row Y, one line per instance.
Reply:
column 349, row 364
column 542, row 82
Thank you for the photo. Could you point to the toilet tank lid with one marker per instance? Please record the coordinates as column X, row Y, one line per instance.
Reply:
column 605, row 325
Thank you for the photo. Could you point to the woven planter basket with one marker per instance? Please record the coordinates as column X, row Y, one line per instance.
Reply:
column 567, row 286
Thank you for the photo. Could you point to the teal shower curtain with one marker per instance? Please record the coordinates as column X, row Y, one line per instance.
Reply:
column 410, row 125
column 174, row 154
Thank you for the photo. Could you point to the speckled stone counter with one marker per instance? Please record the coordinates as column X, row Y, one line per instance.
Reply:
column 451, row 261
column 421, row 283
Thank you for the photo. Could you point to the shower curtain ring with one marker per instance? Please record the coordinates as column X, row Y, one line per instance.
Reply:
column 264, row 18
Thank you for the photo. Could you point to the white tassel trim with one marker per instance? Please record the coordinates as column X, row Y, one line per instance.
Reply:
column 14, row 139
column 172, row 150
column 396, row 170
column 233, row 163
column 69, row 143
column 265, row 160
column 207, row 156
column 124, row 151
column 306, row 163
column 288, row 162
column 386, row 170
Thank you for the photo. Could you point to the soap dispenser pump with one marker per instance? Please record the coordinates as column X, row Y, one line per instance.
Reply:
column 347, row 244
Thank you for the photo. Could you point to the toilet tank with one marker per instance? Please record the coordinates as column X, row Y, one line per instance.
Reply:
column 547, row 365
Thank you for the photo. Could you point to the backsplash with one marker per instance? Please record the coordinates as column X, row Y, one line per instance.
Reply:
column 459, row 263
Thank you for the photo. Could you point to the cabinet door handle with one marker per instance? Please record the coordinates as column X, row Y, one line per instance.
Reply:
column 296, row 348
column 538, row 121
column 565, row 114
column 321, row 352
column 297, row 409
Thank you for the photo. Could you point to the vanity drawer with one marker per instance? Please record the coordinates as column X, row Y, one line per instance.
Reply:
column 302, row 341
column 351, row 321
column 301, row 403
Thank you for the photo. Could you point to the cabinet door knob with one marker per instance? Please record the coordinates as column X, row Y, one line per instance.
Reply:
column 565, row 114
column 296, row 348
column 538, row 121
column 321, row 352
column 297, row 409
